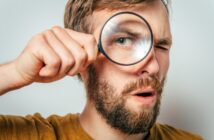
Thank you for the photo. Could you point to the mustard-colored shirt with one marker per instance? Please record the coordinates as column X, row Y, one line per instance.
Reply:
column 68, row 128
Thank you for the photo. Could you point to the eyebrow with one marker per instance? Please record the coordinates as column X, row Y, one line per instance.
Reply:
column 164, row 41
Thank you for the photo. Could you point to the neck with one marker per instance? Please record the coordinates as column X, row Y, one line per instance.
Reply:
column 97, row 128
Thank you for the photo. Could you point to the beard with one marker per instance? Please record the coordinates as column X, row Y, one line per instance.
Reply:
column 112, row 106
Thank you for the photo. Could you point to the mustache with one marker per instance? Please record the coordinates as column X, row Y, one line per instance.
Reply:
column 150, row 81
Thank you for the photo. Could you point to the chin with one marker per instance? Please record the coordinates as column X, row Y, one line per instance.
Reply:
column 140, row 108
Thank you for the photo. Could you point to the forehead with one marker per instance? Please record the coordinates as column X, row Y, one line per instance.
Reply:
column 155, row 13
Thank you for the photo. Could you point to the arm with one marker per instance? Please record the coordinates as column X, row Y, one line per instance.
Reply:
column 9, row 80
column 49, row 56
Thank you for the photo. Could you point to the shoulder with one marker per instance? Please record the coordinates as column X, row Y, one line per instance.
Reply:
column 27, row 127
column 68, row 127
column 167, row 132
column 66, row 121
column 36, row 127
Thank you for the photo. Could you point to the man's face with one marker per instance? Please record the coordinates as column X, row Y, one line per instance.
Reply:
column 128, row 97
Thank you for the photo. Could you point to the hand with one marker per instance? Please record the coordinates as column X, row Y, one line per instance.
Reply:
column 55, row 53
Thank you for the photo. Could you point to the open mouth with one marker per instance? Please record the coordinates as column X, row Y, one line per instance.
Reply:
column 145, row 94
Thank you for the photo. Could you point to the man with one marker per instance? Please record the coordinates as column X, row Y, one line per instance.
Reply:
column 122, row 101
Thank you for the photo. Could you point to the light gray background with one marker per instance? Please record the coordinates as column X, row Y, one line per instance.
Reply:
column 189, row 93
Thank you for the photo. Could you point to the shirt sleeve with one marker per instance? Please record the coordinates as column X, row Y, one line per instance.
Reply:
column 25, row 128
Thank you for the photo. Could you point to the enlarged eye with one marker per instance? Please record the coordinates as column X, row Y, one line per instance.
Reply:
column 124, row 41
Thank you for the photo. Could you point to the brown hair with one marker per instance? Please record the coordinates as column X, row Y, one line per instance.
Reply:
column 78, row 12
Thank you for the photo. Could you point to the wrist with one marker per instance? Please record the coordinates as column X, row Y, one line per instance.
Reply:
column 10, row 79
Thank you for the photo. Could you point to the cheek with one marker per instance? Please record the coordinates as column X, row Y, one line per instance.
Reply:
column 163, row 61
column 112, row 74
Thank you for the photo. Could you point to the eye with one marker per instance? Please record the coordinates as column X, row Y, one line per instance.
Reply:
column 162, row 48
column 124, row 42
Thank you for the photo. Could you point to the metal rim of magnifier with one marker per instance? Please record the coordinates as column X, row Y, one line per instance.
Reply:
column 100, row 47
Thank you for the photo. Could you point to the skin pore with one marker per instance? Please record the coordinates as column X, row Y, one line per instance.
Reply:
column 110, row 80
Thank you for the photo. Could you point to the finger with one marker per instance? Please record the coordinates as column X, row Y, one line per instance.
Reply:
column 76, row 49
column 88, row 42
column 45, row 54
column 67, row 60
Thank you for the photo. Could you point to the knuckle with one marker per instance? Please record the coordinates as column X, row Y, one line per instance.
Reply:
column 68, row 62
column 56, row 28
column 82, row 56
column 36, row 41
column 37, row 37
column 47, row 32
column 55, row 62
column 91, row 39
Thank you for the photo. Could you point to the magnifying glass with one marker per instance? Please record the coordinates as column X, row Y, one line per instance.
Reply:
column 126, row 38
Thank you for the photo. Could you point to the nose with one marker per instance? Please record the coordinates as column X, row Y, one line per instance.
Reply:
column 148, row 66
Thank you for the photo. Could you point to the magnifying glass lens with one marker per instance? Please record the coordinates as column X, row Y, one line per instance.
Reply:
column 126, row 38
